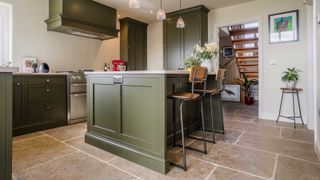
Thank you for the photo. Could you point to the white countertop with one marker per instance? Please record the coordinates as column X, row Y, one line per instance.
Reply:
column 147, row 72
column 41, row 74
column 9, row 69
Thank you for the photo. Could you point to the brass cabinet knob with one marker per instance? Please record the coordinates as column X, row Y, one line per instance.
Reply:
column 48, row 80
column 47, row 90
column 48, row 107
column 18, row 84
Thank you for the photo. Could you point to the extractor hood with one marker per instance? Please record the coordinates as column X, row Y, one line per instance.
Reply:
column 85, row 18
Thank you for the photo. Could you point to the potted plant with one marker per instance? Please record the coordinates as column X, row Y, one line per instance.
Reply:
column 191, row 61
column 205, row 54
column 290, row 77
column 247, row 86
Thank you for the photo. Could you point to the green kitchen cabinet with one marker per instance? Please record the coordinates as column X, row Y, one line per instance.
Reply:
column 133, row 43
column 179, row 43
column 5, row 125
column 39, row 102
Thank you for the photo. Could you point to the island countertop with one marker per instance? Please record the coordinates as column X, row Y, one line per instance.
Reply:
column 146, row 72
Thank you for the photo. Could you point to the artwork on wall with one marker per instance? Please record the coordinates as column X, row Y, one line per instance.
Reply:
column 27, row 63
column 284, row 27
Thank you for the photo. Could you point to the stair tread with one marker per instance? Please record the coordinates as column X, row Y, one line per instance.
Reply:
column 251, row 64
column 245, row 49
column 247, row 57
column 246, row 40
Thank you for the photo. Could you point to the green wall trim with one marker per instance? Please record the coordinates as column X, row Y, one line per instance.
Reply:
column 155, row 163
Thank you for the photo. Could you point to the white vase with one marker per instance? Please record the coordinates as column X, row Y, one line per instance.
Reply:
column 208, row 64
column 291, row 84
column 215, row 66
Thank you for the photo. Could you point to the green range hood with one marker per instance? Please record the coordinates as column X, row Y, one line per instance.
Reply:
column 85, row 18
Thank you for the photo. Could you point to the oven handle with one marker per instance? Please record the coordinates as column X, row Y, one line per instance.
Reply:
column 78, row 84
column 76, row 95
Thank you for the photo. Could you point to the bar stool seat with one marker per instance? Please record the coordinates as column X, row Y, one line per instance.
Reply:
column 185, row 96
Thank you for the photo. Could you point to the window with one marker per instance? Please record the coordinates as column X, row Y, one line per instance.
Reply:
column 5, row 33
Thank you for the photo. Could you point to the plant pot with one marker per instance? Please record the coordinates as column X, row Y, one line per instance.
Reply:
column 249, row 100
column 291, row 84
column 208, row 64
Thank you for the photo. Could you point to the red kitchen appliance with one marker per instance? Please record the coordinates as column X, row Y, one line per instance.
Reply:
column 116, row 64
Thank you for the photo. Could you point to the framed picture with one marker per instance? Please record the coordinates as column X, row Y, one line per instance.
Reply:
column 227, row 52
column 27, row 63
column 284, row 27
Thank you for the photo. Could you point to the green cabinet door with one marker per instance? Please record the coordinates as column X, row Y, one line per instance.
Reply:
column 17, row 101
column 191, row 34
column 173, row 44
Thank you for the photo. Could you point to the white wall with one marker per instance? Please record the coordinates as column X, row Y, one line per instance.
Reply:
column 292, row 54
column 155, row 46
column 60, row 51
column 317, row 75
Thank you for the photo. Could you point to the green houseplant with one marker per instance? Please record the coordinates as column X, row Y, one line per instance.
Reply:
column 191, row 61
column 247, row 85
column 290, row 77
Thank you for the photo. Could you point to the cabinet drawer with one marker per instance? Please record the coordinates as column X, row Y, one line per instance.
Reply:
column 46, row 93
column 46, row 112
column 43, row 80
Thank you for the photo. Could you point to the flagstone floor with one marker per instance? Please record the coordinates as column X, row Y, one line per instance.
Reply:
column 251, row 149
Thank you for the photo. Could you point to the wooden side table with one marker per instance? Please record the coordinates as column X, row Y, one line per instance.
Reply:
column 294, row 91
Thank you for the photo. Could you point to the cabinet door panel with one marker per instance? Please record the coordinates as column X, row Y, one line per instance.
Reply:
column 106, row 104
column 192, row 33
column 45, row 94
column 132, row 49
column 17, row 101
column 173, row 44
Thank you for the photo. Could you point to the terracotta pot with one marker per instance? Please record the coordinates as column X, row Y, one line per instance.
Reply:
column 249, row 100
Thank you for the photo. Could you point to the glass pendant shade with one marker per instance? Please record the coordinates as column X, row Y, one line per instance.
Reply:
column 180, row 23
column 161, row 15
column 134, row 4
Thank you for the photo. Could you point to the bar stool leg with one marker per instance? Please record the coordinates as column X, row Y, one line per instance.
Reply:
column 212, row 120
column 220, row 101
column 294, row 110
column 184, row 156
column 280, row 106
column 174, row 122
column 299, row 107
column 203, row 128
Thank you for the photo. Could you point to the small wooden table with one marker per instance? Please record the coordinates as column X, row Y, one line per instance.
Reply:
column 294, row 91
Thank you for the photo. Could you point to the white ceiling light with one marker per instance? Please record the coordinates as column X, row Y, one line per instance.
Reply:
column 180, row 22
column 161, row 14
column 134, row 4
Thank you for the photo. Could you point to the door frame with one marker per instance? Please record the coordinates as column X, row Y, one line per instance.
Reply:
column 215, row 36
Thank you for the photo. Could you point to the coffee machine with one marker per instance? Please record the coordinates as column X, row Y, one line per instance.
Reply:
column 119, row 65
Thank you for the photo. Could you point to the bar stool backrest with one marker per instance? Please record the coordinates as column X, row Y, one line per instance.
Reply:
column 198, row 75
column 220, row 78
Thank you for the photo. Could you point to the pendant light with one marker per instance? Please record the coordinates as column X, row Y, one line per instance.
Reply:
column 134, row 4
column 161, row 14
column 180, row 22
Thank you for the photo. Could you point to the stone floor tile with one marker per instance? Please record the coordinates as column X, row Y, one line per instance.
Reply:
column 79, row 143
column 227, row 174
column 279, row 124
column 253, row 128
column 280, row 146
column 26, row 136
column 36, row 151
column 230, row 136
column 77, row 166
column 250, row 161
column 67, row 132
column 293, row 169
column 237, row 117
column 298, row 134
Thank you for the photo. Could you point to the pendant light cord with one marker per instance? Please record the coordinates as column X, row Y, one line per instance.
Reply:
column 161, row 4
column 180, row 8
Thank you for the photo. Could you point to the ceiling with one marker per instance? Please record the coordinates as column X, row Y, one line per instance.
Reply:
column 145, row 15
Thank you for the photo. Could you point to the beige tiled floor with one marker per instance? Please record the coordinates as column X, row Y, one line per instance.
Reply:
column 251, row 149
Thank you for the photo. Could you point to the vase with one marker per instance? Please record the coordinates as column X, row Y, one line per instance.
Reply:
column 291, row 84
column 208, row 64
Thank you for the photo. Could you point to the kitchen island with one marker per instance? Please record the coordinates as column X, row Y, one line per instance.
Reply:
column 130, row 115
column 6, row 122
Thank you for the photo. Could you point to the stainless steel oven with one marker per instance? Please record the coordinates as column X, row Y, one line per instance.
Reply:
column 77, row 97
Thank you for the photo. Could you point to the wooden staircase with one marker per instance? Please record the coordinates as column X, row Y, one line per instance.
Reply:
column 245, row 43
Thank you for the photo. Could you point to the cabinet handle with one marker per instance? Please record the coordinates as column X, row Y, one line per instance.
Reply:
column 48, row 80
column 48, row 107
column 18, row 84
column 47, row 90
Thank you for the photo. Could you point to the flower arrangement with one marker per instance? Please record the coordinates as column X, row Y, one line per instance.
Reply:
column 201, row 54
column 208, row 51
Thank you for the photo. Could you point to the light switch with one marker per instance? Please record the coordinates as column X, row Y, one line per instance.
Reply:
column 273, row 62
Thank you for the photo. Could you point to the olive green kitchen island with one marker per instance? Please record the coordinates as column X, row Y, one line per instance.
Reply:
column 6, row 122
column 130, row 115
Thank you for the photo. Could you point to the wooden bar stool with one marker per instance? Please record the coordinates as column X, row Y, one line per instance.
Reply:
column 294, row 91
column 220, row 78
column 198, row 75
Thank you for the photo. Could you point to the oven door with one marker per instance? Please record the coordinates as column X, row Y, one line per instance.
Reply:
column 78, row 107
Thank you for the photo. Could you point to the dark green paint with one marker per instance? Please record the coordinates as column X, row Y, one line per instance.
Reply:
column 39, row 103
column 179, row 43
column 133, row 43
column 5, row 126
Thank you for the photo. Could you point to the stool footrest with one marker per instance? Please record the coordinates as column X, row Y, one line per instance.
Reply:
column 194, row 149
column 201, row 139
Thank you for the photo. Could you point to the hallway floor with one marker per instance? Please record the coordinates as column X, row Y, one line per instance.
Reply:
column 250, row 149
